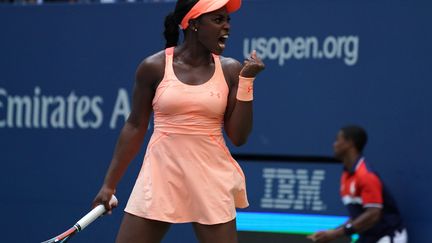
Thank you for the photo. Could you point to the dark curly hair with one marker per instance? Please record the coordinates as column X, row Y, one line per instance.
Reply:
column 356, row 134
column 173, row 19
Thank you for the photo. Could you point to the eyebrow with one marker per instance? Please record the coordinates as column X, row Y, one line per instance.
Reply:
column 221, row 15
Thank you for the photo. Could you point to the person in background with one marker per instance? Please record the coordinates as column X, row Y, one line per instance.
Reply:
column 373, row 213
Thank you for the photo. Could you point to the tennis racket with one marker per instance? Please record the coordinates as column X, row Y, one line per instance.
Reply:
column 83, row 222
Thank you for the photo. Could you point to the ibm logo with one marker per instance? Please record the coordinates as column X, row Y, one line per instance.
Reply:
column 292, row 189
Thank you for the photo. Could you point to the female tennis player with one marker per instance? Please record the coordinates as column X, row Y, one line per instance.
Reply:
column 188, row 174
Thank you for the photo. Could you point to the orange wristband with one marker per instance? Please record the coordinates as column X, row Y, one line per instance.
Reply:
column 245, row 89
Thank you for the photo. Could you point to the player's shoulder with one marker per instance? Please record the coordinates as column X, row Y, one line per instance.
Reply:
column 230, row 63
column 152, row 67
column 153, row 61
column 231, row 69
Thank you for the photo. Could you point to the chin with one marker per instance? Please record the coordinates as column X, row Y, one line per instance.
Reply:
column 217, row 51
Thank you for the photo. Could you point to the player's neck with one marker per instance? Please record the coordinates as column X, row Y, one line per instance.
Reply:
column 194, row 54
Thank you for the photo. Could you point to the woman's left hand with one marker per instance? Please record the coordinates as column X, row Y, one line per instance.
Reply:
column 252, row 66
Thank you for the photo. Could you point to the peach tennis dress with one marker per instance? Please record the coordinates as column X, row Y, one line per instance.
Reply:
column 188, row 173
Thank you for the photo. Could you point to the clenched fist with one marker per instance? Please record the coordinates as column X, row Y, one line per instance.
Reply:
column 252, row 66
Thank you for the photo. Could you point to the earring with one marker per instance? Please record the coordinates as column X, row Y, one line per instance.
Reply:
column 195, row 29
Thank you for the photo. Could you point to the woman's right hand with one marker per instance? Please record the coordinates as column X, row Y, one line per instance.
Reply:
column 104, row 197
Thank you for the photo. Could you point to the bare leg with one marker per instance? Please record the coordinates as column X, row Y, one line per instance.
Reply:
column 218, row 233
column 134, row 229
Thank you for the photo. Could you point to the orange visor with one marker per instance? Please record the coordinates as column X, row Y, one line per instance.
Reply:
column 206, row 6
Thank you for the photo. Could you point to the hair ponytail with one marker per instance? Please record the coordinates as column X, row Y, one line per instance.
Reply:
column 171, row 32
column 172, row 21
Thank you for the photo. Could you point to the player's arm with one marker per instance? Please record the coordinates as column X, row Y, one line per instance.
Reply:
column 238, row 115
column 132, row 134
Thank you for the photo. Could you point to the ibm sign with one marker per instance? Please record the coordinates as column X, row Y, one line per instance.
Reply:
column 295, row 189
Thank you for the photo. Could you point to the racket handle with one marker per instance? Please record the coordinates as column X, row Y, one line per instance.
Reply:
column 94, row 214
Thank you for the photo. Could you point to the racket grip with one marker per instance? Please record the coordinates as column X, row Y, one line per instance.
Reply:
column 95, row 213
column 90, row 217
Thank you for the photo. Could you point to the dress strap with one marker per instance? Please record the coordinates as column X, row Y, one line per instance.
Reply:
column 168, row 74
column 219, row 74
column 169, row 55
column 218, row 65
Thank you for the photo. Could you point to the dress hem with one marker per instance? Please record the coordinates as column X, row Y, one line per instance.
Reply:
column 180, row 221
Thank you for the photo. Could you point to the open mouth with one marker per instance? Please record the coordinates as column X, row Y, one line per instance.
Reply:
column 222, row 40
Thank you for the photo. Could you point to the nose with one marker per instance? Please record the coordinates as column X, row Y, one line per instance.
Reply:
column 227, row 25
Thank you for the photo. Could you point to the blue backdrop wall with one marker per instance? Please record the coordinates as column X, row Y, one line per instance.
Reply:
column 66, row 72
